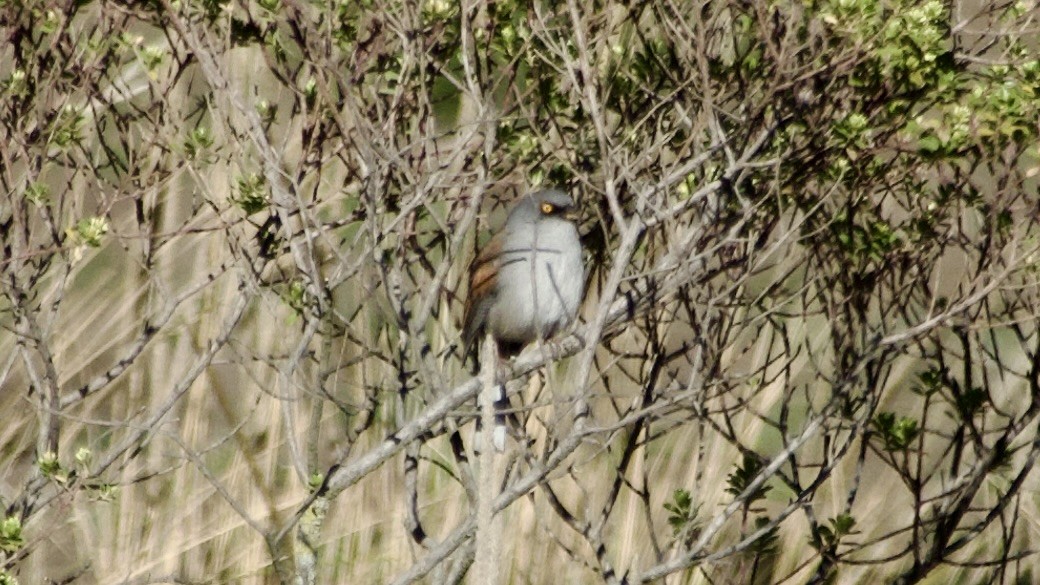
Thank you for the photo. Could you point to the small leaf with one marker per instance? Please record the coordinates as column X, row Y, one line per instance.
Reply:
column 897, row 433
column 11, row 534
column 745, row 474
column 682, row 516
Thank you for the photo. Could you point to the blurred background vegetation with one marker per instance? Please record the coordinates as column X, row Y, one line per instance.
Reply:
column 234, row 246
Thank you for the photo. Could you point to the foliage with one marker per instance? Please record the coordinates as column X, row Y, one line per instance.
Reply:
column 11, row 534
column 682, row 516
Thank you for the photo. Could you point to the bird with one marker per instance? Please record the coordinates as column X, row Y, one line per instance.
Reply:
column 526, row 284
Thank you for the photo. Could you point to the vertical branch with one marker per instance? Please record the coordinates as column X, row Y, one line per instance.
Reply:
column 486, row 563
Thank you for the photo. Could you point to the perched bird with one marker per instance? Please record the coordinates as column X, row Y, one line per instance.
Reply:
column 527, row 282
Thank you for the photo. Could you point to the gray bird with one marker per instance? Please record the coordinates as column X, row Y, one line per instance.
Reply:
column 527, row 282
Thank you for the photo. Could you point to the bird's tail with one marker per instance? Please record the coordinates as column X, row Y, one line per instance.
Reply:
column 499, row 430
column 498, row 434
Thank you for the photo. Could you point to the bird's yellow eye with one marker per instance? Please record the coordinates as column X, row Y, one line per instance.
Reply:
column 547, row 208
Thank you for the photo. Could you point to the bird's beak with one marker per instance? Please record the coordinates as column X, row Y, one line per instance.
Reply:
column 572, row 214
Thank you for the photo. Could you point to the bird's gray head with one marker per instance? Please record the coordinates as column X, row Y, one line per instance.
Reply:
column 542, row 205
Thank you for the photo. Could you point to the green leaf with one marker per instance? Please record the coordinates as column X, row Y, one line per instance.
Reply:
column 843, row 524
column 682, row 516
column 897, row 433
column 742, row 477
column 769, row 543
column 251, row 194
column 971, row 401
column 929, row 144
column 11, row 534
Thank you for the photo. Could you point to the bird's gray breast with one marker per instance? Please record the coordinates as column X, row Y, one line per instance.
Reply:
column 540, row 281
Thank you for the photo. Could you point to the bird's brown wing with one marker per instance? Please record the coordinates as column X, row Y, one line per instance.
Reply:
column 483, row 278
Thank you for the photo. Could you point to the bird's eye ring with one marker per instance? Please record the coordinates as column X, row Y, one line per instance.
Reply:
column 547, row 208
